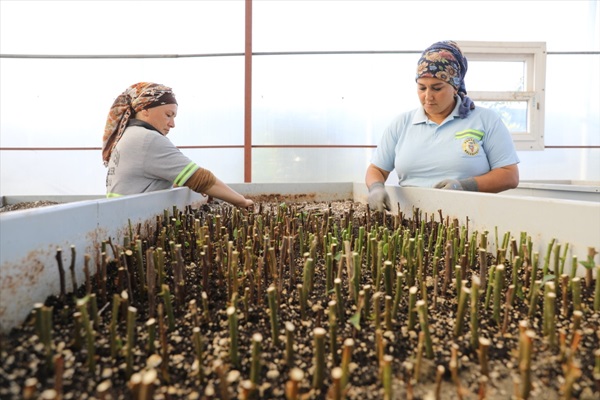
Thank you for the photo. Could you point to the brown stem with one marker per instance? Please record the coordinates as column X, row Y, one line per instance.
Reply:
column 72, row 268
column 61, row 273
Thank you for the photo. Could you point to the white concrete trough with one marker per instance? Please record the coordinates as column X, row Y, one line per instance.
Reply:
column 29, row 238
column 558, row 189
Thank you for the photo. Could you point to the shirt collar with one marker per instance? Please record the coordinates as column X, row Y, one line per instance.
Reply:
column 144, row 124
column 420, row 117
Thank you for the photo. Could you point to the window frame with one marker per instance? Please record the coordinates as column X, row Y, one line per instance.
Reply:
column 533, row 55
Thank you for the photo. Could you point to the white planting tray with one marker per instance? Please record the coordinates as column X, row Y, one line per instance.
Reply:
column 29, row 238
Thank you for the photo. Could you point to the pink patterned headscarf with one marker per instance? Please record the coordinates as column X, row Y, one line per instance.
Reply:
column 137, row 97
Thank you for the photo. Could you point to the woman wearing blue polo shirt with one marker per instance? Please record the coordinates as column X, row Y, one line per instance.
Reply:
column 448, row 143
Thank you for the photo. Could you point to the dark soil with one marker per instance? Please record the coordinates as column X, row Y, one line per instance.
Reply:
column 228, row 258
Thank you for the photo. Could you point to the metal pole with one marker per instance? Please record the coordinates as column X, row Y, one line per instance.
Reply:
column 248, row 96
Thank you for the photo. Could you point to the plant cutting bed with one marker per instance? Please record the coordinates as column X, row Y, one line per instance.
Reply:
column 312, row 300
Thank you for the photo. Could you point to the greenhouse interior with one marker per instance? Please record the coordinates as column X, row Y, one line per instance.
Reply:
column 356, row 199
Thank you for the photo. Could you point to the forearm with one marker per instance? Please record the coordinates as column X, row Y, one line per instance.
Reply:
column 499, row 179
column 204, row 181
column 222, row 191
column 375, row 174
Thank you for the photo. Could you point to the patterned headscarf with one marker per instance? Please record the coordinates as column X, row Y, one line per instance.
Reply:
column 445, row 61
column 135, row 98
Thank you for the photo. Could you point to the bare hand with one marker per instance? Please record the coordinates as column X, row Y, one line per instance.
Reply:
column 246, row 203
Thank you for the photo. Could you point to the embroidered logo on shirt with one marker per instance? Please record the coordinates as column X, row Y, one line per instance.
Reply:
column 470, row 146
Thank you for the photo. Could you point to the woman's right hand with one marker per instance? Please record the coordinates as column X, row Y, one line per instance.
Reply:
column 245, row 203
column 379, row 199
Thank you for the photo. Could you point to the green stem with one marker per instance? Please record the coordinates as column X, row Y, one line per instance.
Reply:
column 412, row 301
column 556, row 260
column 547, row 258
column 388, row 312
column 498, row 288
column 131, row 313
column 337, row 284
column 535, row 266
column 483, row 268
column 77, row 330
column 346, row 359
column 366, row 309
column 151, row 326
column 387, row 277
column 458, row 281
column 333, row 330
column 289, row 344
column 387, row 377
column 166, row 295
column 233, row 336
column 398, row 294
column 272, row 295
column 489, row 288
column 356, row 278
column 46, row 337
column 549, row 317
column 377, row 309
column 516, row 264
column 256, row 352
column 379, row 265
column 329, row 273
column 425, row 327
column 535, row 289
column 462, row 307
column 114, row 318
column 573, row 267
column 319, row 357
column 475, row 311
column 308, row 277
column 302, row 300
column 94, row 310
column 90, row 334
column 576, row 293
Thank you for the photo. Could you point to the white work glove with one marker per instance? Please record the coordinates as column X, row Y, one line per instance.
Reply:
column 469, row 184
column 378, row 198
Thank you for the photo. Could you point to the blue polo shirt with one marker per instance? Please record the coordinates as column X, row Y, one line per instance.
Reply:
column 423, row 153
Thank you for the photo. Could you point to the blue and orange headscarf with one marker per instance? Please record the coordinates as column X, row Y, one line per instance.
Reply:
column 445, row 61
column 137, row 97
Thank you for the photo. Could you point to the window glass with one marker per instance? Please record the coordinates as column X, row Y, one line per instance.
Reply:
column 330, row 99
column 506, row 76
column 82, row 172
column 300, row 25
column 336, row 99
column 513, row 113
column 64, row 102
column 309, row 165
column 121, row 27
column 573, row 100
